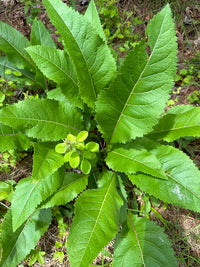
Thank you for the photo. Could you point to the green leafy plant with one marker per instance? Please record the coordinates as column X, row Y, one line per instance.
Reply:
column 59, row 254
column 6, row 189
column 61, row 243
column 6, row 90
column 189, row 75
column 36, row 255
column 109, row 117
column 119, row 26
column 194, row 97
column 8, row 159
column 185, row 77
column 175, row 92
column 30, row 9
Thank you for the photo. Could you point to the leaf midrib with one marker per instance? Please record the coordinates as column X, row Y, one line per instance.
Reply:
column 41, row 163
column 142, row 163
column 10, row 134
column 40, row 35
column 25, row 202
column 100, row 211
column 174, row 129
column 137, row 238
column 63, row 188
column 39, row 120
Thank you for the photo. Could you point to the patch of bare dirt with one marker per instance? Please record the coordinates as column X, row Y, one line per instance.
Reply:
column 183, row 228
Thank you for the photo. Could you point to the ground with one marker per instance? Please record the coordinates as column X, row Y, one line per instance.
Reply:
column 182, row 226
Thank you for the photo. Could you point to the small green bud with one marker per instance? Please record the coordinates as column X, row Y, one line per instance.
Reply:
column 61, row 148
column 183, row 72
column 79, row 146
column 8, row 71
column 82, row 136
column 10, row 83
column 13, row 85
column 58, row 244
column 71, row 138
column 17, row 73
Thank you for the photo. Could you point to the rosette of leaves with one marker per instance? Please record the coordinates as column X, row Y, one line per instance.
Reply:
column 122, row 110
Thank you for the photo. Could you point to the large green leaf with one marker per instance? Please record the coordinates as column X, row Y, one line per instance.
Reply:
column 91, row 56
column 92, row 16
column 17, row 245
column 45, row 160
column 126, row 158
column 143, row 243
column 183, row 185
column 13, row 44
column 73, row 184
column 44, row 119
column 131, row 106
column 178, row 122
column 95, row 223
column 26, row 78
column 40, row 35
column 57, row 66
column 28, row 195
column 11, row 139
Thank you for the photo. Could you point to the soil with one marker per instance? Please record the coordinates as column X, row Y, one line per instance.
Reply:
column 182, row 226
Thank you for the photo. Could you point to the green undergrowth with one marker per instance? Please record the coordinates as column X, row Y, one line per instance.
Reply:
column 31, row 10
column 183, row 12
column 119, row 26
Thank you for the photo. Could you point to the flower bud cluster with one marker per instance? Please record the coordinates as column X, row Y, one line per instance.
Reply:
column 77, row 153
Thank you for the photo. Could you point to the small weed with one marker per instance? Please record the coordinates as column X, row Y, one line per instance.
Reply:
column 60, row 244
column 6, row 90
column 6, row 189
column 9, row 159
column 30, row 9
column 194, row 97
column 172, row 102
column 34, row 256
column 187, row 76
column 118, row 26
